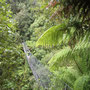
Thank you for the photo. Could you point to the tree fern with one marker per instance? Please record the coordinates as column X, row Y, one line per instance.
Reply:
column 80, row 53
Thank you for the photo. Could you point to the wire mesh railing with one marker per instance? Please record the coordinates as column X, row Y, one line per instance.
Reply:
column 40, row 72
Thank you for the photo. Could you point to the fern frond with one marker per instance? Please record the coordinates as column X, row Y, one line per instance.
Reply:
column 82, row 83
column 80, row 53
column 59, row 57
column 64, row 75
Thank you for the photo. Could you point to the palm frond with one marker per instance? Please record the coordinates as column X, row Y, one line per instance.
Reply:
column 56, row 35
column 52, row 36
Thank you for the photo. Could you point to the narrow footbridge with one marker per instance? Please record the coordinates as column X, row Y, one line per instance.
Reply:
column 40, row 72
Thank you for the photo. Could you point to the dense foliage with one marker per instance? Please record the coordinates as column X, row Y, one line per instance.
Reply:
column 73, row 35
column 57, row 32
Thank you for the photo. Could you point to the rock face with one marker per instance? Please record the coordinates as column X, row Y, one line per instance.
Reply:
column 40, row 72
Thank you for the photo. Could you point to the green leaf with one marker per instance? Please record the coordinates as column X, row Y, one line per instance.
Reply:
column 52, row 36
